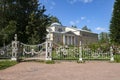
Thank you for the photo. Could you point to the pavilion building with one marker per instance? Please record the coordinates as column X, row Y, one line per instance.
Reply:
column 70, row 36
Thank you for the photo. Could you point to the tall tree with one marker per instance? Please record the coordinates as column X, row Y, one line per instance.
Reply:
column 86, row 28
column 28, row 14
column 7, row 33
column 115, row 23
column 54, row 19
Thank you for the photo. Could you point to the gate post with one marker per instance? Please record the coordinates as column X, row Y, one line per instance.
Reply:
column 111, row 54
column 80, row 51
column 48, row 50
column 14, row 48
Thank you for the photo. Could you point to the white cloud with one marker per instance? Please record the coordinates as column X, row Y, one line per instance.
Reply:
column 74, row 22
column 86, row 1
column 77, row 21
column 75, row 1
column 82, row 18
column 100, row 29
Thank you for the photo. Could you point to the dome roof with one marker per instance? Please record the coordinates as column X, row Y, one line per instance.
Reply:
column 56, row 24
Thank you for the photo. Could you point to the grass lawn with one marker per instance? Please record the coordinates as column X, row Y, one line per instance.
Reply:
column 6, row 63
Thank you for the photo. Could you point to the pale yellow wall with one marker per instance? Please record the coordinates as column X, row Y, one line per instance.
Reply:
column 88, row 37
column 58, row 38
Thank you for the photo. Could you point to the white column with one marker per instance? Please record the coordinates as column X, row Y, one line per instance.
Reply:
column 67, row 40
column 71, row 40
column 46, row 56
column 63, row 39
column 74, row 41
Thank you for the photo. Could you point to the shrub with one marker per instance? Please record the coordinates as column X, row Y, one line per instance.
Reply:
column 117, row 58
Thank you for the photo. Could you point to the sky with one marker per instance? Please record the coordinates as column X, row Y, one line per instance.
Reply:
column 95, row 14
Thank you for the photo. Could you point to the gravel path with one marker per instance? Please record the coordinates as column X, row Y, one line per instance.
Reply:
column 62, row 71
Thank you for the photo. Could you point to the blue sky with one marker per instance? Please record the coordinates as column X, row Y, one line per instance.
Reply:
column 95, row 14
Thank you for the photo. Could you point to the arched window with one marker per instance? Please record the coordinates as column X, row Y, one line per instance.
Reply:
column 60, row 29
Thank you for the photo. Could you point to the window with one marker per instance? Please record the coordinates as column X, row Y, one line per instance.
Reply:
column 60, row 29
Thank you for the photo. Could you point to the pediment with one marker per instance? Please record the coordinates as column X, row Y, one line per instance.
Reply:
column 70, row 32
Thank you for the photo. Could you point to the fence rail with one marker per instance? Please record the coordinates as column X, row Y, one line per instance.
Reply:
column 53, row 51
column 5, row 52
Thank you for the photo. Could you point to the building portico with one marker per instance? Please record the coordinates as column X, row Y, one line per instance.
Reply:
column 68, row 39
column 70, row 36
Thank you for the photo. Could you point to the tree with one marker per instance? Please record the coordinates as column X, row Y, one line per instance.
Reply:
column 104, row 37
column 35, row 28
column 27, row 14
column 53, row 19
column 8, row 32
column 115, row 23
column 74, row 26
column 86, row 28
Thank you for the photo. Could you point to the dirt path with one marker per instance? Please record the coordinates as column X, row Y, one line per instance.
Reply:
column 62, row 71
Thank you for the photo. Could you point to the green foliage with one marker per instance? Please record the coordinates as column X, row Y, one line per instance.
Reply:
column 50, row 62
column 6, row 64
column 8, row 32
column 115, row 24
column 104, row 37
column 25, row 18
column 53, row 19
column 74, row 26
column 86, row 28
column 99, row 46
column 117, row 58
column 94, row 46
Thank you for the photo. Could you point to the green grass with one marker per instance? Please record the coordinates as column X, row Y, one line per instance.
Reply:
column 50, row 62
column 6, row 63
column 80, row 61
